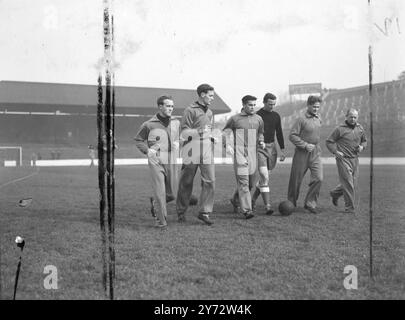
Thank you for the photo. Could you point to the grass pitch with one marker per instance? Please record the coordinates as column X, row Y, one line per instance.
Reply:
column 301, row 256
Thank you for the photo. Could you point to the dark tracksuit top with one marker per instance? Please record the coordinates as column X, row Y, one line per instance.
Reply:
column 272, row 126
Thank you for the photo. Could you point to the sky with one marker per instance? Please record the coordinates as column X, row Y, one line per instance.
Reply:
column 238, row 46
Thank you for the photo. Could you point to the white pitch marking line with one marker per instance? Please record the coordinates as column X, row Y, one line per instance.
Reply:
column 20, row 179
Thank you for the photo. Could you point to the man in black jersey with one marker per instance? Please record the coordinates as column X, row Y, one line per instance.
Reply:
column 267, row 157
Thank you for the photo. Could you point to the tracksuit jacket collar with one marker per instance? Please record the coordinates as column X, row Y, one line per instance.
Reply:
column 198, row 104
column 243, row 113
column 345, row 124
column 156, row 119
column 309, row 115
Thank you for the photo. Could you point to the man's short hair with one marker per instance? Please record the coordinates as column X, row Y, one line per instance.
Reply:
column 204, row 88
column 313, row 99
column 161, row 100
column 350, row 110
column 248, row 98
column 268, row 96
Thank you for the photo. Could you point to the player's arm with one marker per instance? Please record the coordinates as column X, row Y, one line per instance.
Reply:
column 260, row 132
column 187, row 122
column 141, row 141
column 363, row 141
column 212, row 134
column 295, row 135
column 227, row 135
column 175, row 136
column 280, row 139
column 331, row 143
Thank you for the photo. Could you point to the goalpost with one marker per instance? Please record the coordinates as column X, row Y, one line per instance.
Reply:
column 11, row 156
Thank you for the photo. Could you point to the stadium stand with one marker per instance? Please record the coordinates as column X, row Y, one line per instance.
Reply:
column 59, row 120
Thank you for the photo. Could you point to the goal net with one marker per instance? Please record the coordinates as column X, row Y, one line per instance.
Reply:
column 10, row 156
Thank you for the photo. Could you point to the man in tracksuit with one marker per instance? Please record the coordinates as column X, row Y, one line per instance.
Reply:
column 305, row 135
column 346, row 142
column 248, row 129
column 197, row 152
column 268, row 155
column 158, row 138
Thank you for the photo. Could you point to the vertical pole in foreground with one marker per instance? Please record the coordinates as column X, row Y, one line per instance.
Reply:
column 109, row 181
column 1, row 288
column 371, row 108
column 108, row 55
column 113, row 150
column 16, row 277
column 101, row 179
column 20, row 243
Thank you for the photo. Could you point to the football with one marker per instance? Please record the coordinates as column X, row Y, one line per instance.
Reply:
column 286, row 208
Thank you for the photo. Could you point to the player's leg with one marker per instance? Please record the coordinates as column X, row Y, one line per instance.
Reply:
column 262, row 159
column 185, row 188
column 235, row 200
column 316, row 168
column 170, row 175
column 272, row 161
column 299, row 167
column 159, row 189
column 336, row 192
column 245, row 200
column 254, row 186
column 207, row 170
column 256, row 193
column 264, row 188
column 253, row 183
column 263, row 184
column 207, row 191
column 270, row 164
column 346, row 178
column 355, row 181
column 235, row 196
column 175, row 170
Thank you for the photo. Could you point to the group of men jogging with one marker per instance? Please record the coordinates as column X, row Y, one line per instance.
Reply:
column 249, row 137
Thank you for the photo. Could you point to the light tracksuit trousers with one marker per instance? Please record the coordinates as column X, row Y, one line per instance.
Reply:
column 302, row 161
column 164, row 179
column 245, row 168
column 204, row 161
column 348, row 169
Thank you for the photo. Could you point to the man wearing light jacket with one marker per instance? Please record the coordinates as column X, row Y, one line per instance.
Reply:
column 248, row 129
column 346, row 142
column 305, row 135
column 197, row 152
column 158, row 138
